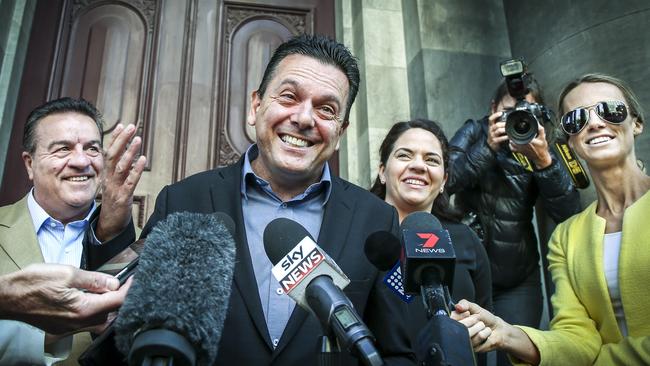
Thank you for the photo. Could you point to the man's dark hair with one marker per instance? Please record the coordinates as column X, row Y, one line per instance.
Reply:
column 441, row 206
column 61, row 105
column 323, row 49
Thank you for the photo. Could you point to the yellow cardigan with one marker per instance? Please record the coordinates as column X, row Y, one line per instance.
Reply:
column 584, row 330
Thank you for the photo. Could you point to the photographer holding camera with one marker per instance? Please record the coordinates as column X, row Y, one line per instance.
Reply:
column 500, row 165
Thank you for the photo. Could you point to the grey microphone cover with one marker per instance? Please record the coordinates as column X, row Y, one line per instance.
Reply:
column 182, row 283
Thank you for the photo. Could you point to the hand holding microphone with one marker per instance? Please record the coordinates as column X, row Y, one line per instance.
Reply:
column 311, row 278
column 59, row 299
column 480, row 324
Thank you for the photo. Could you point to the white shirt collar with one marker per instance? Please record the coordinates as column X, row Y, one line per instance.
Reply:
column 39, row 216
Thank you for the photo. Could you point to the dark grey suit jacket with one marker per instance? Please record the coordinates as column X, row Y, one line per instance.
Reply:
column 351, row 214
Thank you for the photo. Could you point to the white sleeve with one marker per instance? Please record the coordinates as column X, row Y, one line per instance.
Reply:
column 23, row 344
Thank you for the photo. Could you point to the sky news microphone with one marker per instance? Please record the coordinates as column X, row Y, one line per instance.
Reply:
column 177, row 304
column 311, row 278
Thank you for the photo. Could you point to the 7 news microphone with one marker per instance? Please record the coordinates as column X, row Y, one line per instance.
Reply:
column 311, row 278
column 175, row 309
column 426, row 261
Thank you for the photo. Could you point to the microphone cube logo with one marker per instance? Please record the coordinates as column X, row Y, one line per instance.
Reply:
column 393, row 280
column 424, row 244
column 296, row 265
column 431, row 239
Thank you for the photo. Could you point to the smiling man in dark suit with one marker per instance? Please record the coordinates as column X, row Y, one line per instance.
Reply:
column 299, row 112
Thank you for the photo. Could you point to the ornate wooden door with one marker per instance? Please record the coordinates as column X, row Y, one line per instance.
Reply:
column 181, row 70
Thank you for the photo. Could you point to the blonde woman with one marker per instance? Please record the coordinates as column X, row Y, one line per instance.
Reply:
column 598, row 258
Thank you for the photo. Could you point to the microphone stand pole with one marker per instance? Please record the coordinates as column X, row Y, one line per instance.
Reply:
column 329, row 352
column 443, row 341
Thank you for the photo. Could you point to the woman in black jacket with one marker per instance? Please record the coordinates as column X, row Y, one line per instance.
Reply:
column 413, row 169
column 494, row 186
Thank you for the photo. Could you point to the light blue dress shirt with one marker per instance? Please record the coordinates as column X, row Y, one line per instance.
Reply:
column 59, row 244
column 260, row 205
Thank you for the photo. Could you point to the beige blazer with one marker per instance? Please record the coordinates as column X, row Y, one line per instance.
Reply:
column 17, row 238
column 19, row 248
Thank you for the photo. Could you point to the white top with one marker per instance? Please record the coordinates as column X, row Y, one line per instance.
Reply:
column 611, row 250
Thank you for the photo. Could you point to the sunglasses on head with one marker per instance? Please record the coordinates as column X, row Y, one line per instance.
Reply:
column 614, row 112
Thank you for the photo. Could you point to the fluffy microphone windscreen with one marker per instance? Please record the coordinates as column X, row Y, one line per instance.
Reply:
column 280, row 236
column 182, row 284
column 226, row 221
column 382, row 250
column 421, row 221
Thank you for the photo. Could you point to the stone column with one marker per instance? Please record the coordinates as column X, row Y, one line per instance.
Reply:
column 453, row 50
column 15, row 25
column 570, row 39
column 374, row 31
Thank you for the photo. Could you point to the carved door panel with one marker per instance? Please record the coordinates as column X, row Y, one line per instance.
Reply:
column 106, row 56
column 181, row 70
column 248, row 34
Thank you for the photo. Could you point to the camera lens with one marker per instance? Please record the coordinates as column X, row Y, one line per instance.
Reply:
column 521, row 126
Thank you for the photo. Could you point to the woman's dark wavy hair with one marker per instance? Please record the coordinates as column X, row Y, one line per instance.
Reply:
column 441, row 206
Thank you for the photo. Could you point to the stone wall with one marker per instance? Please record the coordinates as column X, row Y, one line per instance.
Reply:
column 439, row 59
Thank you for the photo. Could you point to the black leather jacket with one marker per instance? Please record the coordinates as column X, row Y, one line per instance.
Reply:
column 502, row 193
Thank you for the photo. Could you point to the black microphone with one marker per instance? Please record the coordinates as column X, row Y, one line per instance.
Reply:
column 311, row 278
column 383, row 250
column 428, row 261
column 177, row 304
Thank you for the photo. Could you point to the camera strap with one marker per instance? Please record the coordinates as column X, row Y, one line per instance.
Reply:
column 573, row 165
column 577, row 172
column 523, row 160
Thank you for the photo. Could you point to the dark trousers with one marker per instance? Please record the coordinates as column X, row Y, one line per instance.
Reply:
column 519, row 305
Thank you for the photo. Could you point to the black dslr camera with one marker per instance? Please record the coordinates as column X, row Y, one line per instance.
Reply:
column 523, row 119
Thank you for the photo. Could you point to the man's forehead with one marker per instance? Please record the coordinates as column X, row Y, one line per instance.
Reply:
column 66, row 119
column 326, row 79
column 297, row 63
column 58, row 125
